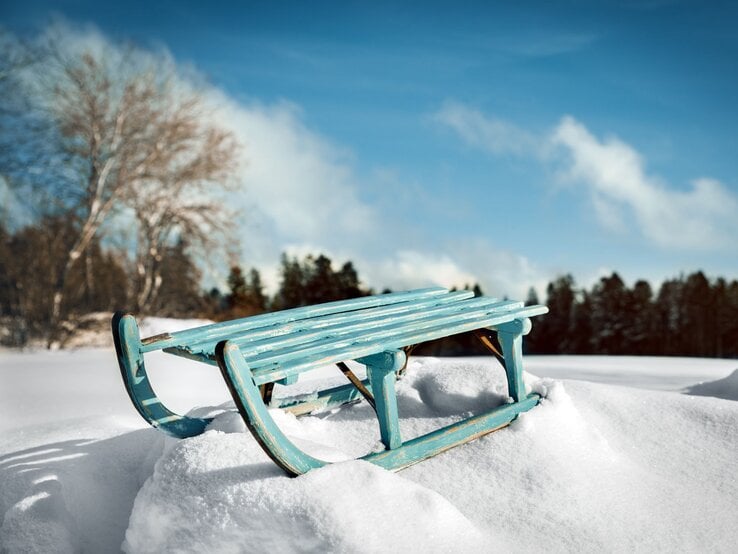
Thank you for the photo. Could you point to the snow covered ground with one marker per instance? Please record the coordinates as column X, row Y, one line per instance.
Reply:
column 617, row 458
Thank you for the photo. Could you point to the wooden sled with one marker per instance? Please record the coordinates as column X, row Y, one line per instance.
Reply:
column 256, row 352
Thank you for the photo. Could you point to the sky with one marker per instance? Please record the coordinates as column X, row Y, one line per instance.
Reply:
column 453, row 142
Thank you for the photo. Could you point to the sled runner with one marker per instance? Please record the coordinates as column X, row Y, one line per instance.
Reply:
column 256, row 352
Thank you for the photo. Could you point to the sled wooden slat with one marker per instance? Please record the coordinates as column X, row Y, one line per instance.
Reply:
column 362, row 345
column 374, row 330
column 227, row 329
column 279, row 335
column 279, row 350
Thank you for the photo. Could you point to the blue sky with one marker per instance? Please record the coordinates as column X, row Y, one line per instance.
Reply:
column 444, row 142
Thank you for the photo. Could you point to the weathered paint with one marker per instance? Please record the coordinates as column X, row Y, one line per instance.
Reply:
column 510, row 335
column 255, row 414
column 285, row 348
column 381, row 369
column 366, row 344
column 280, row 334
column 322, row 400
column 440, row 440
column 397, row 456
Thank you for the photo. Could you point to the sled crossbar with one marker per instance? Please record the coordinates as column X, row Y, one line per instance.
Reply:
column 374, row 331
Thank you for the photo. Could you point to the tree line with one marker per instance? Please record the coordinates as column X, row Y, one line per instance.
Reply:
column 305, row 282
column 690, row 315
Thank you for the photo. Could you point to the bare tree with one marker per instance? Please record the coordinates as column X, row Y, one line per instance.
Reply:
column 130, row 134
column 181, row 201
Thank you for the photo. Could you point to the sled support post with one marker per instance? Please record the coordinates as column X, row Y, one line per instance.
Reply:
column 381, row 369
column 510, row 335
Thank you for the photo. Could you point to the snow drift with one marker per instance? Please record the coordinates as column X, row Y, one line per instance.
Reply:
column 722, row 388
column 594, row 467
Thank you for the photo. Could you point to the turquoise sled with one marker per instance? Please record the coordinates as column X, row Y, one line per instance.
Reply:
column 256, row 352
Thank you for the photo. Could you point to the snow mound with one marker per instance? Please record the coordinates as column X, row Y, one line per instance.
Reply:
column 722, row 388
column 455, row 386
column 218, row 493
column 600, row 468
column 40, row 521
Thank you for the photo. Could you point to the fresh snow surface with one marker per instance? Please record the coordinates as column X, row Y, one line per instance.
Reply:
column 595, row 467
column 645, row 372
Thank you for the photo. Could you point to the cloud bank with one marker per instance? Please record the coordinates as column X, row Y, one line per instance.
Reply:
column 704, row 216
column 622, row 194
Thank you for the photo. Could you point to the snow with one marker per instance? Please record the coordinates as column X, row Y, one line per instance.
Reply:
column 647, row 372
column 218, row 493
column 722, row 388
column 615, row 458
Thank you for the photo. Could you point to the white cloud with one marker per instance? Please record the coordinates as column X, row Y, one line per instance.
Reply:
column 409, row 269
column 297, row 190
column 499, row 272
column 704, row 216
column 303, row 184
column 488, row 133
column 622, row 194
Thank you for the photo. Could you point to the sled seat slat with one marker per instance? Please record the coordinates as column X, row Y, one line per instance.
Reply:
column 283, row 349
column 227, row 329
column 303, row 331
column 361, row 345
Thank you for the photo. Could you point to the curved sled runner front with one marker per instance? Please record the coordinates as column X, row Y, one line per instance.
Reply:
column 130, row 359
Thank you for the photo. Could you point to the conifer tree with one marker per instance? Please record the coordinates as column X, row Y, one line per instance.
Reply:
column 238, row 297
column 532, row 298
column 291, row 289
column 609, row 321
column 348, row 282
column 551, row 332
column 642, row 317
column 256, row 291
